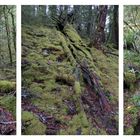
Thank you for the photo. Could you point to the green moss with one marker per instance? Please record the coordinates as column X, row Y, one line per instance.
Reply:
column 129, row 131
column 7, row 86
column 79, row 121
column 102, row 132
column 72, row 34
column 30, row 75
column 55, row 47
column 34, row 57
column 131, row 57
column 50, row 85
column 107, row 70
column 129, row 79
column 7, row 73
column 69, row 55
column 32, row 123
column 9, row 102
column 56, row 81
column 65, row 79
column 77, row 88
column 35, row 89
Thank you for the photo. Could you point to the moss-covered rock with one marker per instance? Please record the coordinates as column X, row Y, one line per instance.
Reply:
column 7, row 86
column 32, row 123
column 129, row 79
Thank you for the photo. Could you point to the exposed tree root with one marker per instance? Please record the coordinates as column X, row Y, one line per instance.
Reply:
column 99, row 106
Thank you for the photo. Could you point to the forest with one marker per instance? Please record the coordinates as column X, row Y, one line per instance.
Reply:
column 131, row 70
column 7, row 70
column 69, row 70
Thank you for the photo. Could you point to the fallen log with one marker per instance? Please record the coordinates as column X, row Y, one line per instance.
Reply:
column 92, row 81
column 7, row 123
column 111, row 53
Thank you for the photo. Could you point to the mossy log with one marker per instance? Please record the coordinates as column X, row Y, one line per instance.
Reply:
column 92, row 81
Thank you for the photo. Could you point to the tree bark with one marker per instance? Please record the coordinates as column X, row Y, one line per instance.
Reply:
column 99, row 32
column 14, row 30
column 89, row 24
column 8, row 33
column 113, row 38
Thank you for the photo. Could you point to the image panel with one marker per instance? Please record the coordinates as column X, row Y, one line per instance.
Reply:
column 132, row 70
column 69, row 70
column 7, row 70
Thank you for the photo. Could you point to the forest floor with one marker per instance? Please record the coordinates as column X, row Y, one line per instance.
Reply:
column 131, row 93
column 68, row 88
column 7, row 101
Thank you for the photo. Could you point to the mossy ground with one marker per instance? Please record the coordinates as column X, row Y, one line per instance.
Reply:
column 6, row 86
column 8, row 90
column 33, row 125
column 51, row 79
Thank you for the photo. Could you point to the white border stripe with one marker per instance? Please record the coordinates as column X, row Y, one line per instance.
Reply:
column 121, row 70
column 18, row 78
column 18, row 19
column 71, row 2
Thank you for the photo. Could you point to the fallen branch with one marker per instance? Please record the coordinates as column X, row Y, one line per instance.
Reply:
column 107, row 52
column 12, row 93
column 8, row 123
column 93, row 82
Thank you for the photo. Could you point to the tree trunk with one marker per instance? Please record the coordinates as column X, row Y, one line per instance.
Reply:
column 14, row 30
column 42, row 14
column 89, row 24
column 114, row 28
column 8, row 33
column 76, row 9
column 116, row 38
column 99, row 32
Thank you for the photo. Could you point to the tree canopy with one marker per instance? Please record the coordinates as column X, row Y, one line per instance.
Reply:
column 97, row 22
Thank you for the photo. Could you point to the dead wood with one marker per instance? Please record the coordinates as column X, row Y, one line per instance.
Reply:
column 92, row 80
